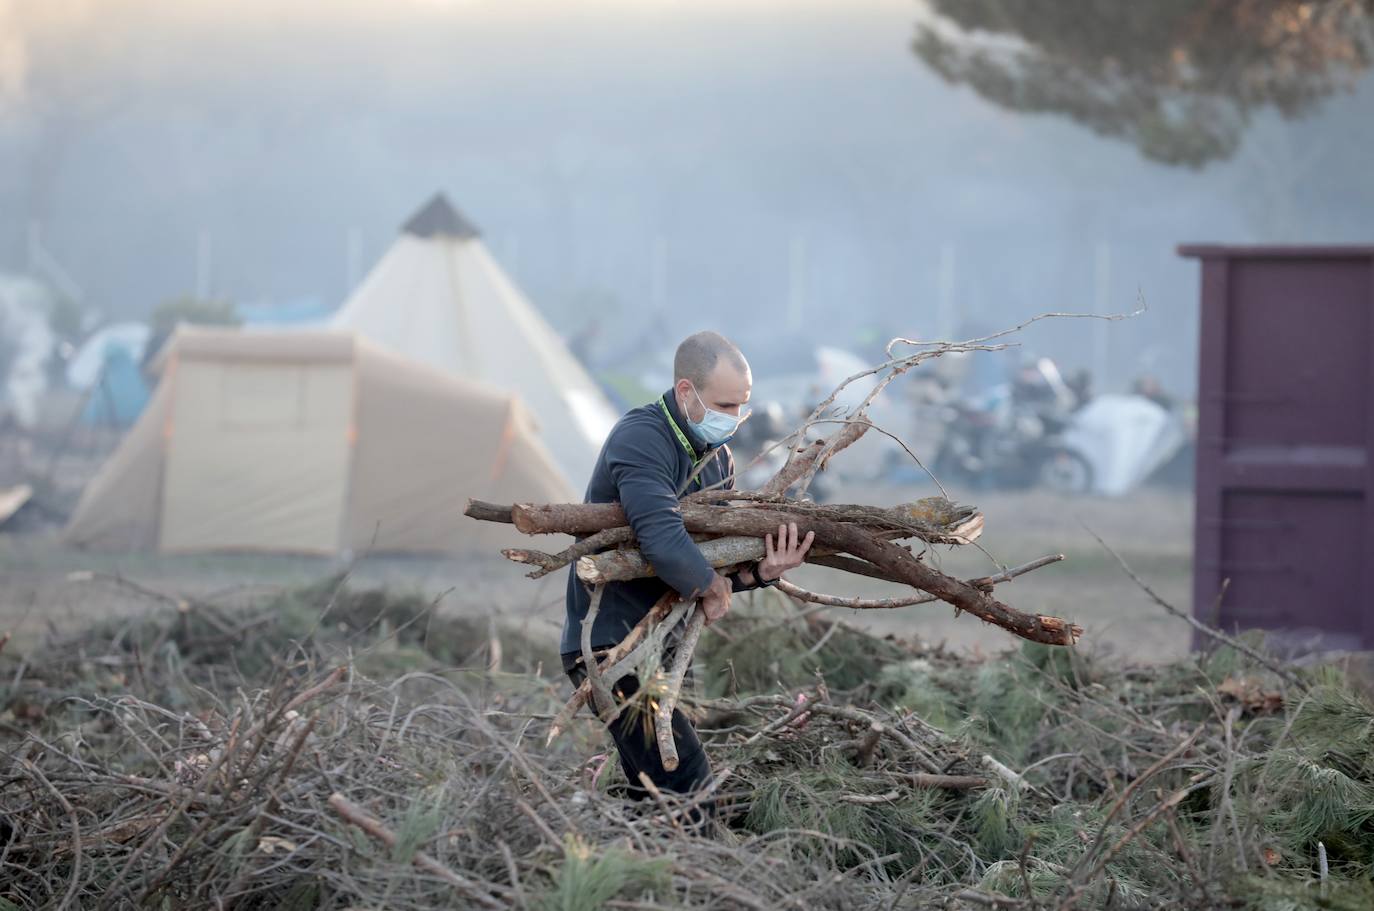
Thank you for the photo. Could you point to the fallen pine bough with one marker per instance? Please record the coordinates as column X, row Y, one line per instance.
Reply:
column 852, row 772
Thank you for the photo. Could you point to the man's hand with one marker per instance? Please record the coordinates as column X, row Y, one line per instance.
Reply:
column 787, row 554
column 716, row 602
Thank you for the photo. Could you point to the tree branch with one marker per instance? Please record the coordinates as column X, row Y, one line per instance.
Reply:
column 985, row 583
column 895, row 562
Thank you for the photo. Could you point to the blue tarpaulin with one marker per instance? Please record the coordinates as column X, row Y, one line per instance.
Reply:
column 119, row 394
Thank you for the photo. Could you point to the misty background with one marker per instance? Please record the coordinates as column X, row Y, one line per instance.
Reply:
column 777, row 170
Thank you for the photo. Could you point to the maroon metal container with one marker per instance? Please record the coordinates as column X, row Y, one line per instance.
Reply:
column 1285, row 450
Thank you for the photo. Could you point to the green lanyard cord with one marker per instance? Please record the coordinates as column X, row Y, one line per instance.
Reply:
column 686, row 445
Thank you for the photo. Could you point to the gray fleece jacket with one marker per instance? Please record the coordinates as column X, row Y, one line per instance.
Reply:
column 643, row 465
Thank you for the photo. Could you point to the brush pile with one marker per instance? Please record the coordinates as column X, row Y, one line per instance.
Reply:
column 332, row 749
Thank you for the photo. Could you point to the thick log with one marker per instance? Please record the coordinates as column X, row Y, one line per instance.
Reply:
column 565, row 518
column 700, row 518
column 620, row 565
column 623, row 565
column 895, row 562
column 934, row 520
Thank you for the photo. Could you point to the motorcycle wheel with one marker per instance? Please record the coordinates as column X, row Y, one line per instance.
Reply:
column 1066, row 472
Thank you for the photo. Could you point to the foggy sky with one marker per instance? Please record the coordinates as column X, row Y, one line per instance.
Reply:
column 769, row 151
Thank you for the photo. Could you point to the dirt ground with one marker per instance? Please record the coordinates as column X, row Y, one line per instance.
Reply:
column 46, row 586
column 1151, row 529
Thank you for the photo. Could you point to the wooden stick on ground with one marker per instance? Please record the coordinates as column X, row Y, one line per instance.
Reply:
column 357, row 816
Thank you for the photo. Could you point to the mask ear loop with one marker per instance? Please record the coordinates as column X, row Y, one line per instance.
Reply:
column 700, row 402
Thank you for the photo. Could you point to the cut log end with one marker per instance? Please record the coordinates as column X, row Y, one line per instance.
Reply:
column 589, row 572
column 968, row 531
column 1068, row 633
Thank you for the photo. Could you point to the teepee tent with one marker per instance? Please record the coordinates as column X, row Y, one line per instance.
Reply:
column 439, row 297
column 310, row 442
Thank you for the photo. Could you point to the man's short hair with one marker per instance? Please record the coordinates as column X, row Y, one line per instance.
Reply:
column 698, row 355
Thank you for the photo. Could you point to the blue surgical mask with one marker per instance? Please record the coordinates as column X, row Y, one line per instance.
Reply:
column 715, row 427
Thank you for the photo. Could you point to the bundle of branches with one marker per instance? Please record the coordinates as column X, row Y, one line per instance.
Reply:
column 730, row 526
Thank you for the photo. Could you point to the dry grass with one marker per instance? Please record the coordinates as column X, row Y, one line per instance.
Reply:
column 216, row 758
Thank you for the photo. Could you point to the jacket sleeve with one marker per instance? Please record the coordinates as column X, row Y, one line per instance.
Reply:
column 640, row 463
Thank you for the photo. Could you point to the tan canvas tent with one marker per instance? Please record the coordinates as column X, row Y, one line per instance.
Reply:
column 438, row 296
column 311, row 442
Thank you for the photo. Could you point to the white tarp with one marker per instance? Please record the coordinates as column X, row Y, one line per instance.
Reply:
column 28, row 340
column 1124, row 438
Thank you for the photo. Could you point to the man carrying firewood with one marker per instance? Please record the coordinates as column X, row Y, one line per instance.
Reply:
column 652, row 457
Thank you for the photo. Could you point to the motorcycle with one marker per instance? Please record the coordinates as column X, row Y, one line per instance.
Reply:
column 982, row 449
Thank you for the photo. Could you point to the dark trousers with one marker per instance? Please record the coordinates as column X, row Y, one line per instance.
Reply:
column 633, row 733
